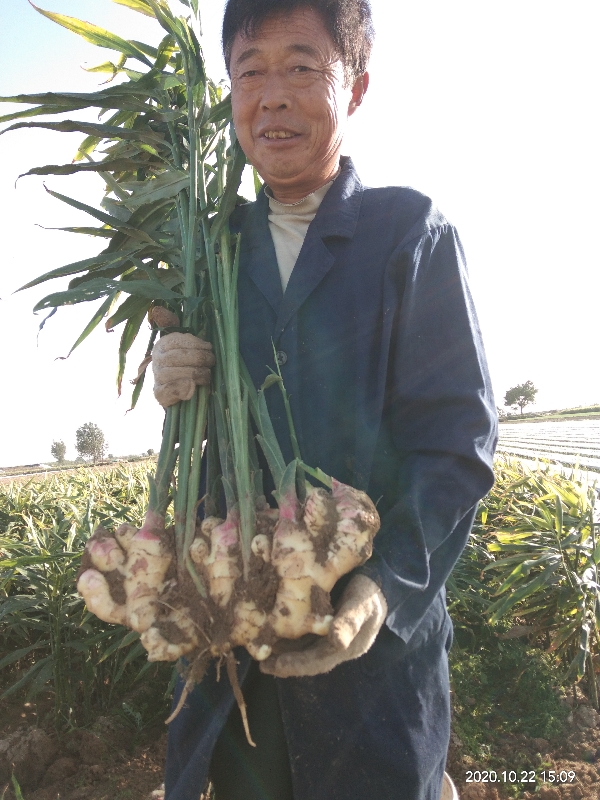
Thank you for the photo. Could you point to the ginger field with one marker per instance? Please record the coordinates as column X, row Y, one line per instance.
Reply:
column 82, row 712
column 571, row 443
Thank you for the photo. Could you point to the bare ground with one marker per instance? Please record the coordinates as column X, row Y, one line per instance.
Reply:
column 564, row 768
column 105, row 762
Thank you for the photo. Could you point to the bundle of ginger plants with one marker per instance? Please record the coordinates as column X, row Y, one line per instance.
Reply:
column 247, row 574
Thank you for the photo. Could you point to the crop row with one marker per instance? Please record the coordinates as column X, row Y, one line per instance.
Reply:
column 48, row 639
column 572, row 444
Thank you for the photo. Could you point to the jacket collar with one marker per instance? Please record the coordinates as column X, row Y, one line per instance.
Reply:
column 337, row 217
column 338, row 213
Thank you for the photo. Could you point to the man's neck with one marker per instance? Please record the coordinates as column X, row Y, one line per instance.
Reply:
column 300, row 201
column 293, row 195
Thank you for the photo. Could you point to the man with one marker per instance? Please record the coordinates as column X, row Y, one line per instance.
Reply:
column 364, row 294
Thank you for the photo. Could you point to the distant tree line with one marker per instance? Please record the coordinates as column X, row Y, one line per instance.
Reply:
column 89, row 443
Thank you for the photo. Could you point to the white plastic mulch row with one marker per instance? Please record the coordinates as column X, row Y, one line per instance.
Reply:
column 573, row 443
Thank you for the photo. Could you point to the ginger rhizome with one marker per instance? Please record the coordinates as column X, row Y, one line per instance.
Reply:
column 297, row 556
column 299, row 553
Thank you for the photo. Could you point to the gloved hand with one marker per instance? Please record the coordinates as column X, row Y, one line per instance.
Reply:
column 361, row 613
column 180, row 362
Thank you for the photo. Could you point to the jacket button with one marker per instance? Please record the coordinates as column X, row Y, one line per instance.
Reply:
column 281, row 358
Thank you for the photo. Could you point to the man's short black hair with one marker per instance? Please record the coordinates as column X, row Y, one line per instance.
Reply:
column 348, row 22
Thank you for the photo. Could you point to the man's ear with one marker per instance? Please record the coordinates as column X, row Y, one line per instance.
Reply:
column 359, row 89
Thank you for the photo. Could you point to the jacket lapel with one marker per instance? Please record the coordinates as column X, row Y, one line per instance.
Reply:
column 258, row 253
column 337, row 216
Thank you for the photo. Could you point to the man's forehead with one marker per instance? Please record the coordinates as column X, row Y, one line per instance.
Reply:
column 300, row 32
column 253, row 50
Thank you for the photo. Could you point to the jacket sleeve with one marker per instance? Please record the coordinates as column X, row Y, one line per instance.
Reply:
column 440, row 427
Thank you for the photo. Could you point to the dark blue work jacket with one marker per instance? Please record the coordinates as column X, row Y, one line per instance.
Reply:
column 383, row 360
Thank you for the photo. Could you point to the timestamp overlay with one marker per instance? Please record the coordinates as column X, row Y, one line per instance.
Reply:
column 520, row 776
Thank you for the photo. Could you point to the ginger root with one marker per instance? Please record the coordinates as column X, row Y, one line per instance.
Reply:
column 298, row 554
column 312, row 548
column 123, row 580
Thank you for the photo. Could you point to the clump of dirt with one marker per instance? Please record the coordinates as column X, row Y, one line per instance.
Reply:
column 85, row 764
column 28, row 753
column 320, row 601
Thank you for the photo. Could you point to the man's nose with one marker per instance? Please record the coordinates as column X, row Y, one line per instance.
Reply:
column 276, row 95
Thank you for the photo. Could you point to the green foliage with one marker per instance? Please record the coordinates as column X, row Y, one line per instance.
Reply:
column 521, row 395
column 581, row 410
column 58, row 451
column 500, row 687
column 146, row 708
column 532, row 561
column 467, row 588
column 545, row 568
column 90, row 442
column 48, row 640
column 155, row 148
column 16, row 789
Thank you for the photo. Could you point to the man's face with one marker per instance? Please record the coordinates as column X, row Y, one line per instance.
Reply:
column 290, row 102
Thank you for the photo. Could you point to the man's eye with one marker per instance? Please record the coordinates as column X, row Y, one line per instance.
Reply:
column 301, row 68
column 251, row 73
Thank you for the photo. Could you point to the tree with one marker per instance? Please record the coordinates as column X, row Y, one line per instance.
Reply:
column 150, row 452
column 58, row 451
column 90, row 441
column 521, row 395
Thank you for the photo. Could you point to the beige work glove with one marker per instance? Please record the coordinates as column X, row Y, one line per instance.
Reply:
column 361, row 613
column 180, row 362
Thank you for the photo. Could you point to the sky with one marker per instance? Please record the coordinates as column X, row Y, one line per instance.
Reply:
column 487, row 107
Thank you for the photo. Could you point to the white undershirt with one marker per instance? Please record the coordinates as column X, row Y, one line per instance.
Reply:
column 288, row 223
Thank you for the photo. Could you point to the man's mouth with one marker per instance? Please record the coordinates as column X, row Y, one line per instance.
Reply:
column 279, row 135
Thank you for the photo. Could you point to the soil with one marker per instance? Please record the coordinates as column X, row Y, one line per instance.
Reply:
column 564, row 768
column 101, row 763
